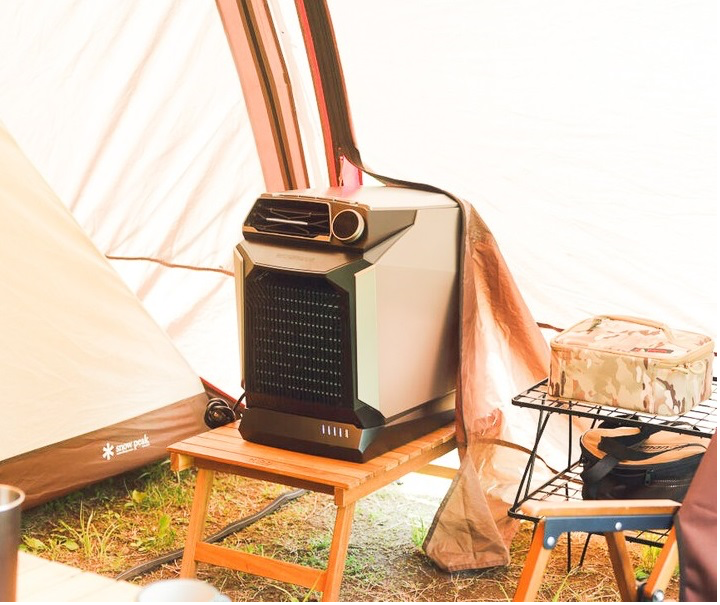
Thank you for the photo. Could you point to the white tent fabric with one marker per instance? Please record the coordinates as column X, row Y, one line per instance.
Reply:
column 585, row 135
column 70, row 326
column 133, row 113
column 80, row 353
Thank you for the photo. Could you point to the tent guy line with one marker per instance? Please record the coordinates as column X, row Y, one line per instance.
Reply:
column 170, row 265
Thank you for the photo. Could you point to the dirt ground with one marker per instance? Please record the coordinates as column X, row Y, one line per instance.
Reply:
column 130, row 520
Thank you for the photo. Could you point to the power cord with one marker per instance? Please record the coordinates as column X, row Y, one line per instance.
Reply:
column 219, row 412
column 236, row 526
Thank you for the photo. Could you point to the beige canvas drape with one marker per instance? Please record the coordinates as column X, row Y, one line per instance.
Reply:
column 502, row 353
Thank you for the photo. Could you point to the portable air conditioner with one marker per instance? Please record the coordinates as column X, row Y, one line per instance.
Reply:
column 348, row 318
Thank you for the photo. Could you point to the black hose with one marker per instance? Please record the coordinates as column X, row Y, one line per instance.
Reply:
column 280, row 501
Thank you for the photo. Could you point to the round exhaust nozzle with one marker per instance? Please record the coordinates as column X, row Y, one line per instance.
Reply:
column 348, row 226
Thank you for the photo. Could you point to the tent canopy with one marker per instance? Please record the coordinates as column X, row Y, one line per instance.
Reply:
column 585, row 136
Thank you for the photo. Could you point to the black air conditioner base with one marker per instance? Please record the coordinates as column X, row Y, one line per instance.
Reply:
column 337, row 439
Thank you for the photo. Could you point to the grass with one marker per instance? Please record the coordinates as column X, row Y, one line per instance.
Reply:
column 647, row 559
column 93, row 539
column 316, row 552
column 418, row 532
column 94, row 542
column 122, row 522
column 112, row 523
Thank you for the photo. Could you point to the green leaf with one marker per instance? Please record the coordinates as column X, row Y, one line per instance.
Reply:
column 138, row 497
column 163, row 525
column 34, row 543
column 66, row 526
column 71, row 545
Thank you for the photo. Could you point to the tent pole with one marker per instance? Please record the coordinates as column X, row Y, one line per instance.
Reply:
column 341, row 153
column 264, row 79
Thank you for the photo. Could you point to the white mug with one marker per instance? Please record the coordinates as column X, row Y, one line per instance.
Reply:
column 11, row 500
column 181, row 589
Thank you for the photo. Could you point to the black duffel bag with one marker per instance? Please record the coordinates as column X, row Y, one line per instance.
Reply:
column 638, row 463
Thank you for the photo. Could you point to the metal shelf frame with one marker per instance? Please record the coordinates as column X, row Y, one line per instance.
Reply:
column 566, row 484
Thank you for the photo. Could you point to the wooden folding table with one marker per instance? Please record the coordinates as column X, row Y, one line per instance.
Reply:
column 224, row 450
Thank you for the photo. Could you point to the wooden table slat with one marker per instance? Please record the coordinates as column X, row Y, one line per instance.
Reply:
column 277, row 467
column 32, row 583
column 117, row 592
column 27, row 562
column 339, row 467
column 374, row 465
column 83, row 585
column 42, row 580
column 230, row 435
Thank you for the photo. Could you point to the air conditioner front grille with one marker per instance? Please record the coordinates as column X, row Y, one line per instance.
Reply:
column 297, row 338
column 308, row 220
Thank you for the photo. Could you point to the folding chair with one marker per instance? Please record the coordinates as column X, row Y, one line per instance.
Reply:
column 611, row 518
column 692, row 537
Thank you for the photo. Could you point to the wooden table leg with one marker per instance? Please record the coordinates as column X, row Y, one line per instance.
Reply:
column 622, row 566
column 338, row 551
column 534, row 568
column 198, row 513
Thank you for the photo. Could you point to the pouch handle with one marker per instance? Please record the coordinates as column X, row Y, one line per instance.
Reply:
column 615, row 448
column 642, row 321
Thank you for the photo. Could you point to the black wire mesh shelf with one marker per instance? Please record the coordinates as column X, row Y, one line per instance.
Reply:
column 701, row 421
column 566, row 486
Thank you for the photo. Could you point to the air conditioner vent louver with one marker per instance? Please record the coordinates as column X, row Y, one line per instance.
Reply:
column 310, row 220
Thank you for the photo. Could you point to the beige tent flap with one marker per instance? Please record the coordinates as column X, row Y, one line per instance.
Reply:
column 79, row 352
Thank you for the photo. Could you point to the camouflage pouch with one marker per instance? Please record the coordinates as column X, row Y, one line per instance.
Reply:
column 632, row 463
column 631, row 363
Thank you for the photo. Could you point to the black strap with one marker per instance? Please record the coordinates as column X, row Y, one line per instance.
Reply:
column 593, row 475
column 627, row 440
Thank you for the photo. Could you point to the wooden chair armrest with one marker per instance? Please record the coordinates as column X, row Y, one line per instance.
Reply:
column 599, row 508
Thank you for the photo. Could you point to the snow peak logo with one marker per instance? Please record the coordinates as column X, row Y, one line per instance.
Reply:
column 109, row 450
